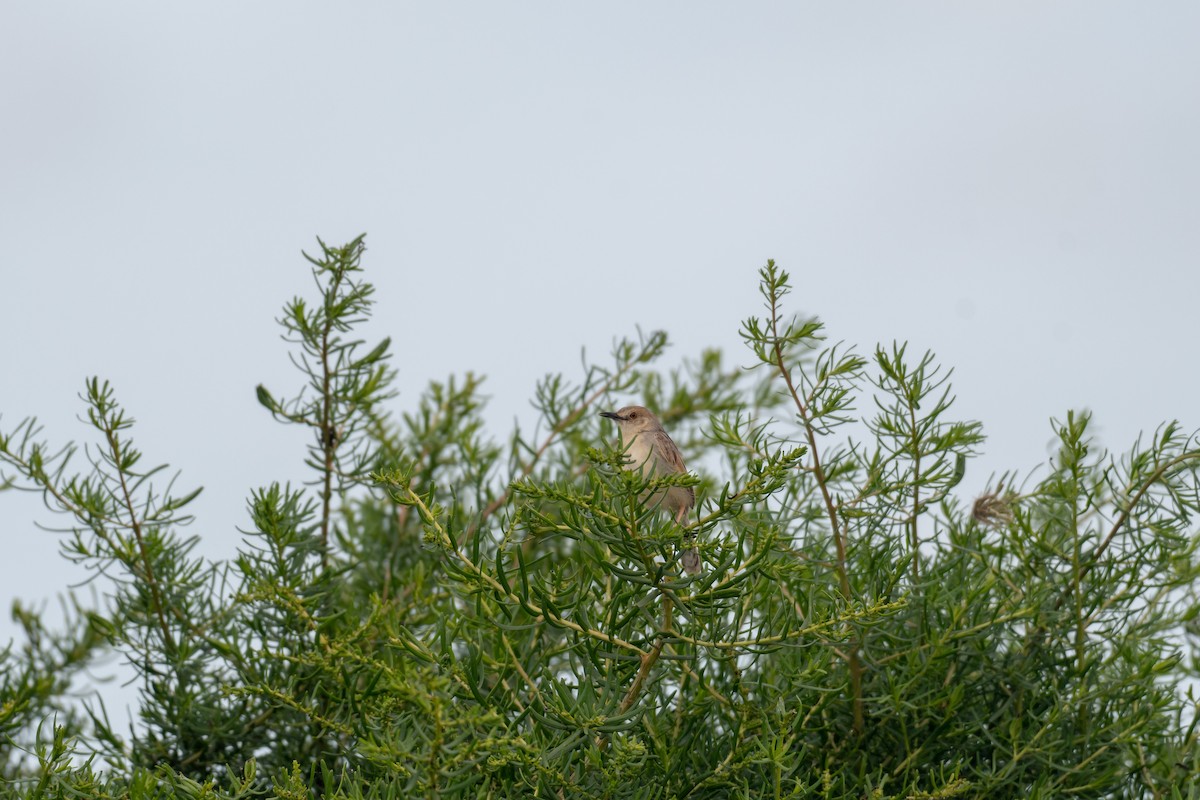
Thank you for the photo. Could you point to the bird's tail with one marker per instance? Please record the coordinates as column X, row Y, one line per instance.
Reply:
column 690, row 558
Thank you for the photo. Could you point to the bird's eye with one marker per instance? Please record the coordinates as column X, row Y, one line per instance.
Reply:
column 633, row 415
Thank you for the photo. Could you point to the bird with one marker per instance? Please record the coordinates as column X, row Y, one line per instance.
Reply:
column 650, row 450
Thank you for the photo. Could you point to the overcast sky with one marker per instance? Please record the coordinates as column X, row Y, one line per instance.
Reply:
column 1012, row 185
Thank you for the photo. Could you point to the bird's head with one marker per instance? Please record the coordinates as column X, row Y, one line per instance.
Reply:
column 632, row 420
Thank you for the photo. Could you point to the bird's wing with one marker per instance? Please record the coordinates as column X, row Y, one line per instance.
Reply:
column 668, row 453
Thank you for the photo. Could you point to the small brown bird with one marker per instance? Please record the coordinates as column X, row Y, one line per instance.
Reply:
column 651, row 450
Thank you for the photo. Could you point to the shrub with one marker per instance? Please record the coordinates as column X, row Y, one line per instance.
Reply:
column 443, row 615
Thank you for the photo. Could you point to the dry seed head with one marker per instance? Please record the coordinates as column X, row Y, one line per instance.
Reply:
column 994, row 508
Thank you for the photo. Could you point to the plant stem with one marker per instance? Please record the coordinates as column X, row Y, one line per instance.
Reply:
column 839, row 537
column 648, row 659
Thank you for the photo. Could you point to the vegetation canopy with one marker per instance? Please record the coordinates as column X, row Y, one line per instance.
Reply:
column 445, row 614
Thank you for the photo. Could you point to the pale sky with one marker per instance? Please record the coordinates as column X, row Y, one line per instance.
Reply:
column 1014, row 185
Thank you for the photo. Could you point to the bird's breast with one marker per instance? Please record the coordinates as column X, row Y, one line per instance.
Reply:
column 640, row 455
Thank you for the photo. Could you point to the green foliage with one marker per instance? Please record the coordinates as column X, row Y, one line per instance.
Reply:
column 442, row 615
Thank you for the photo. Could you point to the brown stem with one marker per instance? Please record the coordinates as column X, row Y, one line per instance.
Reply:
column 915, row 541
column 1094, row 558
column 648, row 660
column 1121, row 520
column 136, row 526
column 839, row 539
column 328, row 440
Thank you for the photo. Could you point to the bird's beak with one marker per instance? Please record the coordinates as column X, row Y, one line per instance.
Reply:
column 610, row 415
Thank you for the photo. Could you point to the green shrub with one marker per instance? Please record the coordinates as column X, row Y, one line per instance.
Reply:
column 443, row 615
